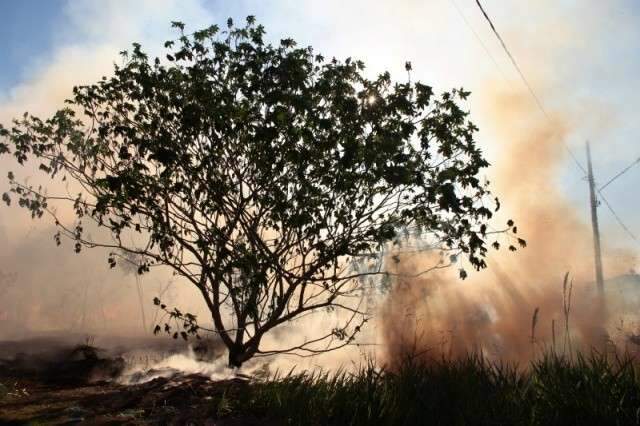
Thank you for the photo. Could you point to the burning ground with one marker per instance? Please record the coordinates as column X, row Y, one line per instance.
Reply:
column 518, row 313
column 136, row 381
column 466, row 390
column 519, row 310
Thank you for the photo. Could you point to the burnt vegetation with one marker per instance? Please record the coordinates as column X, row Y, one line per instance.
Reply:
column 553, row 390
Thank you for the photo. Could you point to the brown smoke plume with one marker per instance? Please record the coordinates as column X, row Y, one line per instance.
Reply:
column 493, row 311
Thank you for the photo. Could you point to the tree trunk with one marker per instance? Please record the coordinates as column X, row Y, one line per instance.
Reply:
column 239, row 354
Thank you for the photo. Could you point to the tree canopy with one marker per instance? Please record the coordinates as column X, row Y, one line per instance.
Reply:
column 257, row 172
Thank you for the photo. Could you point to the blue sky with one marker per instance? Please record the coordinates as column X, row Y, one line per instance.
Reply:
column 583, row 59
column 27, row 34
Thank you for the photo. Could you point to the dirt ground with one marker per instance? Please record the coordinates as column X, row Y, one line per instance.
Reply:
column 174, row 401
column 76, row 386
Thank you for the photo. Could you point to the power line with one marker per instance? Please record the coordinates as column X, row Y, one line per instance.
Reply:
column 484, row 46
column 620, row 222
column 513, row 61
column 526, row 82
column 626, row 169
column 541, row 107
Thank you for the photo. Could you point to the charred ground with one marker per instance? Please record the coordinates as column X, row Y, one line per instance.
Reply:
column 554, row 389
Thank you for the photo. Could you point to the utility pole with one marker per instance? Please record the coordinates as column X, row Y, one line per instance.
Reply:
column 594, row 223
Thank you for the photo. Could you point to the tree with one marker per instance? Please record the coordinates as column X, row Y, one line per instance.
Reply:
column 257, row 173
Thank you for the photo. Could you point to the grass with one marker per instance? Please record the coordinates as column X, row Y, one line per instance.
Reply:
column 553, row 391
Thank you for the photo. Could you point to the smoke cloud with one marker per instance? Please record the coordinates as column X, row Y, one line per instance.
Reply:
column 493, row 311
column 51, row 289
column 45, row 289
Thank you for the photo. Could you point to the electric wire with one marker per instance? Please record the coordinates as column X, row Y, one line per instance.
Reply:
column 544, row 112
column 479, row 39
column 618, row 219
column 606, row 202
column 626, row 169
column 525, row 81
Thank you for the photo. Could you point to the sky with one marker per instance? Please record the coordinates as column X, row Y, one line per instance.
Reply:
column 582, row 59
column 28, row 37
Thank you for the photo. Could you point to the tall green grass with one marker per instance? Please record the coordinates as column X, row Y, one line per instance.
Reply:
column 553, row 391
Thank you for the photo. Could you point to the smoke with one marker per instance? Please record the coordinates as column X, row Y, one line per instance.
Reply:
column 520, row 306
column 493, row 311
column 150, row 365
column 50, row 289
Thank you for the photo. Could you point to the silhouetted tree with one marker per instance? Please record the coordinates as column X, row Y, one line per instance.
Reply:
column 257, row 172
